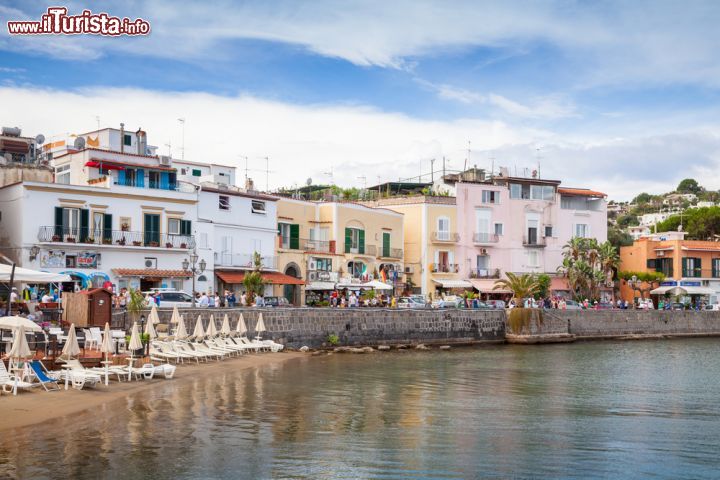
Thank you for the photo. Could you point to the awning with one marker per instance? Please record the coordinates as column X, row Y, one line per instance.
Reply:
column 150, row 272
column 105, row 165
column 683, row 291
column 660, row 290
column 453, row 283
column 31, row 276
column 274, row 278
column 485, row 285
column 320, row 286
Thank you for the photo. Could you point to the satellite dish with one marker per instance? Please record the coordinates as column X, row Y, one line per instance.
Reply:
column 79, row 143
column 40, row 139
column 308, row 182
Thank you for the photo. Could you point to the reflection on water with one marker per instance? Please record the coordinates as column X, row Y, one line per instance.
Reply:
column 582, row 410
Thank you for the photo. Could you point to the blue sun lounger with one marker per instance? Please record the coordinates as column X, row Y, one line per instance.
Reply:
column 39, row 371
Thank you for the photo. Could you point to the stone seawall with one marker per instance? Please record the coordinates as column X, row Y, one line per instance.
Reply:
column 297, row 327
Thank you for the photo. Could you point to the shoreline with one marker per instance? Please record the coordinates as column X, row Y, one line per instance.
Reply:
column 37, row 406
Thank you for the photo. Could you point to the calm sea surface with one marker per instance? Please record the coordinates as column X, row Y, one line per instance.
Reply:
column 587, row 410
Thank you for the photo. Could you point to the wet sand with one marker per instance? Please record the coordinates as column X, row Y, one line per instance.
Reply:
column 36, row 406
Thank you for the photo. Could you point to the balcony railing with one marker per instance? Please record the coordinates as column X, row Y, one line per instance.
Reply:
column 485, row 273
column 369, row 251
column 154, row 185
column 115, row 238
column 307, row 245
column 445, row 236
column 444, row 268
column 391, row 253
column 485, row 237
column 697, row 273
column 243, row 260
column 538, row 242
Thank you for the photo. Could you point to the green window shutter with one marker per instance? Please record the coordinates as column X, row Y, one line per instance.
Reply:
column 684, row 267
column 185, row 227
column 84, row 224
column 152, row 228
column 59, row 227
column 348, row 239
column 651, row 263
column 107, row 227
column 294, row 236
column 386, row 244
column 361, row 241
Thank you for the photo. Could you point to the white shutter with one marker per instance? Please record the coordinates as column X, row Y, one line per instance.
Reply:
column 437, row 257
column 451, row 258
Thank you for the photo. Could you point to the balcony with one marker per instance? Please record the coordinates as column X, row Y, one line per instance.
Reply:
column 534, row 242
column 442, row 237
column 115, row 238
column 695, row 273
column 484, row 238
column 155, row 185
column 369, row 251
column 391, row 253
column 244, row 260
column 307, row 245
column 444, row 267
column 485, row 273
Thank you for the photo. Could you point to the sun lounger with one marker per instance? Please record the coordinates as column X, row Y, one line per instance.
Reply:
column 165, row 370
column 200, row 349
column 79, row 376
column 11, row 383
column 183, row 347
column 43, row 377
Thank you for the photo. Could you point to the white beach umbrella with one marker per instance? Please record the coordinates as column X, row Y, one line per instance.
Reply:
column 20, row 348
column 181, row 331
column 260, row 325
column 150, row 327
column 212, row 328
column 14, row 322
column 241, row 328
column 199, row 331
column 71, row 348
column 175, row 315
column 153, row 318
column 225, row 330
column 135, row 341
column 106, row 348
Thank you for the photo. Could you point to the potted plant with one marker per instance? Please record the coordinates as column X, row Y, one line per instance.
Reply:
column 125, row 227
column 137, row 243
column 107, row 241
column 153, row 244
column 70, row 239
column 183, row 245
column 89, row 240
column 168, row 245
column 56, row 238
column 121, row 241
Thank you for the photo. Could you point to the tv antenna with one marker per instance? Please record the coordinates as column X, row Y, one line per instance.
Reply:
column 330, row 174
column 169, row 145
column 538, row 157
column 182, row 148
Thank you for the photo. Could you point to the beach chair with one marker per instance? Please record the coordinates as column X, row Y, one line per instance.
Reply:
column 165, row 370
column 11, row 383
column 43, row 377
column 199, row 349
column 90, row 341
column 80, row 376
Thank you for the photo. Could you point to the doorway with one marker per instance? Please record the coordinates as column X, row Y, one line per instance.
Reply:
column 291, row 292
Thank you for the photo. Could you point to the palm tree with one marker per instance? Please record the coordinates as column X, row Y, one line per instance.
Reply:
column 574, row 248
column 609, row 261
column 253, row 281
column 522, row 286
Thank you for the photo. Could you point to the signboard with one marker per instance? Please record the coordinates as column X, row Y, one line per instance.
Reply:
column 688, row 283
column 53, row 259
column 668, row 284
column 87, row 260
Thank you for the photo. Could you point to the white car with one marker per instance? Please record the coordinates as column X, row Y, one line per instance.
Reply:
column 172, row 298
column 409, row 302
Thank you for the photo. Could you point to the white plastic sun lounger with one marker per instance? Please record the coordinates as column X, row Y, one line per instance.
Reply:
column 11, row 383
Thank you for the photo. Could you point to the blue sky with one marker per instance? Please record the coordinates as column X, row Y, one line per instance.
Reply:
column 385, row 86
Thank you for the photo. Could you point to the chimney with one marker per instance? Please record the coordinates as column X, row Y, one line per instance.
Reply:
column 249, row 185
column 122, row 138
column 141, row 142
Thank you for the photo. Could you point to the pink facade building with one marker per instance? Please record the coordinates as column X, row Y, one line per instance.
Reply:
column 520, row 225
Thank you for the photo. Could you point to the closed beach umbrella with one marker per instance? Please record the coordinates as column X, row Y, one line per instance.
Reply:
column 181, row 332
column 135, row 342
column 106, row 348
column 150, row 328
column 241, row 327
column 175, row 315
column 13, row 322
column 225, row 330
column 212, row 329
column 71, row 348
column 153, row 318
column 20, row 348
column 199, row 331
column 260, row 325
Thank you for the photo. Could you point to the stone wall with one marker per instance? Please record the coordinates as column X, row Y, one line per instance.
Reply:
column 296, row 327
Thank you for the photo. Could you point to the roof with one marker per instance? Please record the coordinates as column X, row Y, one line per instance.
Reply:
column 105, row 161
column 453, row 283
column 150, row 272
column 400, row 186
column 106, row 151
column 274, row 278
column 234, row 191
column 581, row 192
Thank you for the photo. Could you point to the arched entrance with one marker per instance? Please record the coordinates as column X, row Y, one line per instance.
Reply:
column 292, row 292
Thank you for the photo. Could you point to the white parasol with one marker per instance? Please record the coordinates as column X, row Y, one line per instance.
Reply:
column 175, row 315
column 225, row 330
column 259, row 326
column 181, row 331
column 212, row 328
column 153, row 318
column 150, row 327
column 106, row 348
column 20, row 348
column 199, row 331
column 135, row 341
column 71, row 348
column 241, row 328
column 14, row 322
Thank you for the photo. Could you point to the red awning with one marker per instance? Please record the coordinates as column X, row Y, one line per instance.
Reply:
column 150, row 272
column 108, row 166
column 274, row 278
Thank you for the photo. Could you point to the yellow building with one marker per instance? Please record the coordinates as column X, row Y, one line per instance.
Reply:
column 431, row 242
column 337, row 245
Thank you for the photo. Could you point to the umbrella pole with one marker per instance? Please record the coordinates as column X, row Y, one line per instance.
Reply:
column 7, row 309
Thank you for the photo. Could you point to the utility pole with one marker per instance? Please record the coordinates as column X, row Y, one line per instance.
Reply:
column 267, row 174
column 443, row 167
column 182, row 121
column 432, row 170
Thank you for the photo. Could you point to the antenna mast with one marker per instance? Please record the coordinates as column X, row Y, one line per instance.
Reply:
column 182, row 121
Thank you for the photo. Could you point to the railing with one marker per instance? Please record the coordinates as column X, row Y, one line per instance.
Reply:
column 152, row 184
column 370, row 251
column 538, row 242
column 245, row 260
column 445, row 236
column 305, row 244
column 444, row 267
column 697, row 273
column 485, row 237
column 485, row 273
column 115, row 237
column 391, row 253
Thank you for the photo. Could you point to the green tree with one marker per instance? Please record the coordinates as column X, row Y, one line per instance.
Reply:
column 618, row 237
column 135, row 304
column 543, row 280
column 588, row 265
column 523, row 286
column 627, row 220
column 699, row 223
column 642, row 198
column 253, row 281
column 689, row 185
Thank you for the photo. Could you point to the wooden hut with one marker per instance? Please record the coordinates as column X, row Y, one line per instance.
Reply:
column 88, row 308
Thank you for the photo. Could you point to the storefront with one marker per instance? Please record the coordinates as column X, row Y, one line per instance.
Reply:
column 683, row 291
column 146, row 279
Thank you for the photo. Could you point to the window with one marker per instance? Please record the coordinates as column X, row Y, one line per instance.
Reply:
column 515, row 190
column 582, row 230
column 548, row 230
column 490, row 196
column 70, row 261
column 542, row 192
column 258, row 207
column 127, row 139
column 224, row 202
column 97, row 225
column 177, row 285
column 196, row 172
column 386, row 244
column 323, row 264
column 692, row 267
column 125, row 224
column 284, row 232
column 203, row 240
column 71, row 222
column 482, row 263
column 183, row 171
column 533, row 259
column 715, row 267
column 357, row 269
column 174, row 226
column 443, row 227
column 498, row 229
column 154, row 179
column 62, row 174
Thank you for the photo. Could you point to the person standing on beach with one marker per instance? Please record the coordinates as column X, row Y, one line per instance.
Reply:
column 243, row 299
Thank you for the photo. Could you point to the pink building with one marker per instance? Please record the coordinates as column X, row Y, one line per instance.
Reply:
column 520, row 225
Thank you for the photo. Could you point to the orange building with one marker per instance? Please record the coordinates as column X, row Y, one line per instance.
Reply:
column 691, row 267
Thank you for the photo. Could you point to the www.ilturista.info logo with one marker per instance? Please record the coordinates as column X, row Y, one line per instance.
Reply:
column 57, row 22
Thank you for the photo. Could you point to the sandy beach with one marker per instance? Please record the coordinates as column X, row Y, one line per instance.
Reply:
column 37, row 406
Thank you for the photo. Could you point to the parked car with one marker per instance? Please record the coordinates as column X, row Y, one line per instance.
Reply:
column 452, row 303
column 409, row 302
column 172, row 298
column 605, row 306
column 572, row 305
column 495, row 303
column 277, row 302
column 677, row 306
column 712, row 306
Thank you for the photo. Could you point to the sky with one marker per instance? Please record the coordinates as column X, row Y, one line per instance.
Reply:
column 616, row 96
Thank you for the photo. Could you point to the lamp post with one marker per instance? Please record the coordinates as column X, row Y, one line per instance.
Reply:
column 142, row 331
column 191, row 264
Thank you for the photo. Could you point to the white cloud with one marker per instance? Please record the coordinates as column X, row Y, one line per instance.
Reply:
column 305, row 141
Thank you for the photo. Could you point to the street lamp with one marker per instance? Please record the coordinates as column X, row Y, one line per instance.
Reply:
column 194, row 268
